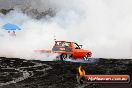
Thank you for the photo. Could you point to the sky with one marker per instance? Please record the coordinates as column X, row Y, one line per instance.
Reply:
column 102, row 26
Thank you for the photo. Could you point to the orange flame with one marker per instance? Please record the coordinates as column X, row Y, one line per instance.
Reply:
column 81, row 71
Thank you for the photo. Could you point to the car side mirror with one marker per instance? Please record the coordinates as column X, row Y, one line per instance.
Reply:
column 80, row 46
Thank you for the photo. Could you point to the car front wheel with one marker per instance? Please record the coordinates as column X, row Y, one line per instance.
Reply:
column 86, row 57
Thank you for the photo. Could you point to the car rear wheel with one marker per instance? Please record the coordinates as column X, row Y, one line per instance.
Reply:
column 63, row 57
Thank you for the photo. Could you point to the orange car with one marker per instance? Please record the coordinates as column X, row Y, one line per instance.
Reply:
column 67, row 49
column 70, row 49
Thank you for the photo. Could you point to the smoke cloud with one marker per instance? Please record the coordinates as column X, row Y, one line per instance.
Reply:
column 102, row 26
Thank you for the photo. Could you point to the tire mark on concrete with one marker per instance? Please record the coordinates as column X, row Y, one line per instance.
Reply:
column 25, row 73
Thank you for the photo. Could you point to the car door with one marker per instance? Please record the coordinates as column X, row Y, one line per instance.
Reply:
column 77, row 51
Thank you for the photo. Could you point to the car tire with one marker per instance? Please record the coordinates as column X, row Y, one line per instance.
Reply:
column 63, row 57
column 86, row 57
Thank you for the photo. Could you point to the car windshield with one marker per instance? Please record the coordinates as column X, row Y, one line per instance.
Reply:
column 76, row 46
column 63, row 44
